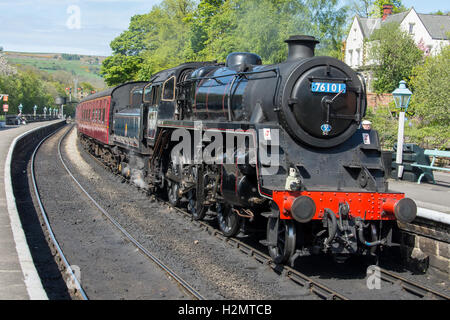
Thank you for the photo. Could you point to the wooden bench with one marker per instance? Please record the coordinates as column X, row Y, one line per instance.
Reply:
column 435, row 154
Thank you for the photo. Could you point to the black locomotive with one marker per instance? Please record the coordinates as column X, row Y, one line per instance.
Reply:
column 277, row 143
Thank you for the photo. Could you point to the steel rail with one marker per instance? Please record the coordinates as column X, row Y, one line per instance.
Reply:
column 147, row 253
column 292, row 274
column 79, row 288
column 412, row 287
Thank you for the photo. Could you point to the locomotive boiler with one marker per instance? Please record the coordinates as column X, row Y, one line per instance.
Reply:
column 284, row 148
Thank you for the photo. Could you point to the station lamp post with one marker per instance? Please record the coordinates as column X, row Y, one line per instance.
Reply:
column 402, row 96
column 20, row 108
column 34, row 110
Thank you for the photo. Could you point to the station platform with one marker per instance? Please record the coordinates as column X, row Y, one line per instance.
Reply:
column 427, row 195
column 19, row 279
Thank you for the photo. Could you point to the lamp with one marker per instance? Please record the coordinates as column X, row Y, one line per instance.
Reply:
column 402, row 96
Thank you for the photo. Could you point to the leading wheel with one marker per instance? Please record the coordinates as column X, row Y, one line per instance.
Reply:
column 281, row 236
column 229, row 222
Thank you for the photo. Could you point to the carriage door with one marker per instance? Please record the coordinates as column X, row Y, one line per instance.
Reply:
column 152, row 95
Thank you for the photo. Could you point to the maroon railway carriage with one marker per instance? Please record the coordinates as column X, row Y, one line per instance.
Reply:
column 93, row 116
column 96, row 113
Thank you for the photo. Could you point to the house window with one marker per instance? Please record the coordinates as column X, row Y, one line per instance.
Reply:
column 350, row 57
column 358, row 57
column 411, row 28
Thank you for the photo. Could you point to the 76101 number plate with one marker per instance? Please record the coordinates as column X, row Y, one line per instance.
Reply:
column 328, row 87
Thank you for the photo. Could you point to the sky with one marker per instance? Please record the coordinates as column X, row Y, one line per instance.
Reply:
column 88, row 26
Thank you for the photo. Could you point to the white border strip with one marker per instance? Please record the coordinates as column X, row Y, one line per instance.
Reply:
column 433, row 215
column 31, row 277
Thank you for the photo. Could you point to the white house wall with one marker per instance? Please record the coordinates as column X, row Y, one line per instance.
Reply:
column 355, row 42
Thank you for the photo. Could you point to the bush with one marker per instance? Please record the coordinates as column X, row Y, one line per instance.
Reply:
column 385, row 121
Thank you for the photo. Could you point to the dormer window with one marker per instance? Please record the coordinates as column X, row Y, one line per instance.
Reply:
column 411, row 28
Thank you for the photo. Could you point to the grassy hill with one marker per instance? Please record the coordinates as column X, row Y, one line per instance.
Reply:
column 85, row 68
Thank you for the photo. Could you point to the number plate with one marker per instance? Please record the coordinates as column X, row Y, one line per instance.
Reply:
column 328, row 87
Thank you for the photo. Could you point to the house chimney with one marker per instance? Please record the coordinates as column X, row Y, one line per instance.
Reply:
column 387, row 10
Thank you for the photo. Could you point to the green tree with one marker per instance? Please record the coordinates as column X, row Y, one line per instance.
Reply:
column 262, row 26
column 200, row 20
column 169, row 38
column 176, row 31
column 127, row 48
column 395, row 54
column 120, row 68
column 330, row 20
column 430, row 86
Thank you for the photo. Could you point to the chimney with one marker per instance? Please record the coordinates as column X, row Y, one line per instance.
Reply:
column 301, row 47
column 387, row 10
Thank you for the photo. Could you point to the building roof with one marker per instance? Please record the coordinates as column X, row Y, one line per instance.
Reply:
column 437, row 26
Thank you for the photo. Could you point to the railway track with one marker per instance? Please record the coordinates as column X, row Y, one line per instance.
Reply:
column 77, row 289
column 314, row 286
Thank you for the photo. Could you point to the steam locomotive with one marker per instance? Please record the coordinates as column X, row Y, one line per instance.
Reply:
column 250, row 143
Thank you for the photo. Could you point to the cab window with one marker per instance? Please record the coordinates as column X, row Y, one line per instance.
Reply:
column 148, row 94
column 169, row 90
column 152, row 95
column 136, row 98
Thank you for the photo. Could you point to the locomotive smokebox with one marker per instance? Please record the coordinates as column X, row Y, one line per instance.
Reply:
column 301, row 47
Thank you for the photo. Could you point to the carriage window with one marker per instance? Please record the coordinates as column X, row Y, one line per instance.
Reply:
column 169, row 89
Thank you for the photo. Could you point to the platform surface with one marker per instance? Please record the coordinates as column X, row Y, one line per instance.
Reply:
column 427, row 195
column 12, row 280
